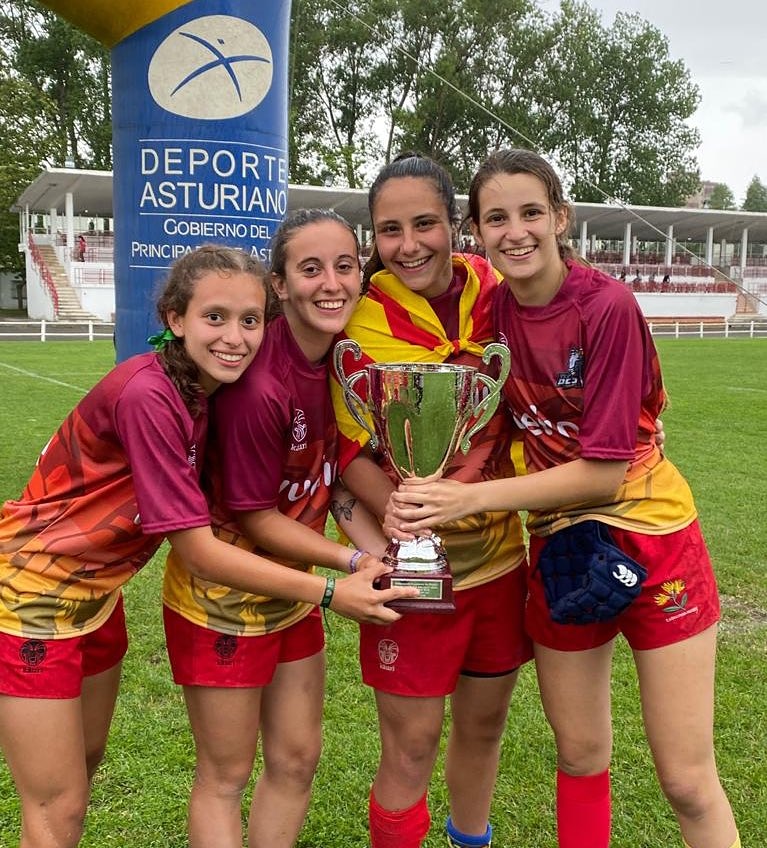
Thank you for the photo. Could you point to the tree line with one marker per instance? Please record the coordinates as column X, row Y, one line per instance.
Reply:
column 369, row 78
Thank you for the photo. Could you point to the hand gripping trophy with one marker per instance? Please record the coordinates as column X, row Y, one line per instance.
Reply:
column 422, row 413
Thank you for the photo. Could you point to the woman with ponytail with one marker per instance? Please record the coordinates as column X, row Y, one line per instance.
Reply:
column 119, row 475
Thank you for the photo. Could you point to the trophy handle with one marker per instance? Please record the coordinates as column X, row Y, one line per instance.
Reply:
column 484, row 410
column 354, row 403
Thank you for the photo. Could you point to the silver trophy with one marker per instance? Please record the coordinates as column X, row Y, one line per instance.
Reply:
column 422, row 413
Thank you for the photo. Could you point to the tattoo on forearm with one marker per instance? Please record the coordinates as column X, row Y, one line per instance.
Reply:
column 342, row 509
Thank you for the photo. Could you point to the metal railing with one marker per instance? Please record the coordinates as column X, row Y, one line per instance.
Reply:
column 85, row 276
column 44, row 272
column 709, row 329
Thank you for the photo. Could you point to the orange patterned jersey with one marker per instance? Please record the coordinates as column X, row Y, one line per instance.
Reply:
column 119, row 473
column 273, row 445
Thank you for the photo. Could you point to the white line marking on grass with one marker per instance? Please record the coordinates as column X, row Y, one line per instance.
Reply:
column 42, row 377
column 746, row 389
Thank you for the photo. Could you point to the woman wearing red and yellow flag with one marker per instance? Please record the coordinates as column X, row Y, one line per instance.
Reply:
column 121, row 473
column 428, row 304
column 615, row 543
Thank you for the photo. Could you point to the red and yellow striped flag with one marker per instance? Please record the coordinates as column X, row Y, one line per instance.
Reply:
column 394, row 324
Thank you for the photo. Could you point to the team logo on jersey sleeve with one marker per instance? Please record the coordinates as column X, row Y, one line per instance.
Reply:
column 572, row 376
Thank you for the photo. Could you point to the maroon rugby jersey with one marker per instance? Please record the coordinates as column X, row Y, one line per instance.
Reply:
column 274, row 444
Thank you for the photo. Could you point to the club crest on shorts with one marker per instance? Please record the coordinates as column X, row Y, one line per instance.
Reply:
column 673, row 598
column 225, row 647
column 388, row 651
column 32, row 653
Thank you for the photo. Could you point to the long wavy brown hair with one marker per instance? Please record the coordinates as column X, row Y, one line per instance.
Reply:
column 175, row 297
column 521, row 161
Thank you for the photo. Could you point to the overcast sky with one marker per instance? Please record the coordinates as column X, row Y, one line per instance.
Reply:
column 724, row 45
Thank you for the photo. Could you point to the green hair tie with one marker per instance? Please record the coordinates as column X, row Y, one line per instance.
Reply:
column 159, row 341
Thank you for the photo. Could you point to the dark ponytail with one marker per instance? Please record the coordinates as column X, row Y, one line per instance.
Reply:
column 410, row 164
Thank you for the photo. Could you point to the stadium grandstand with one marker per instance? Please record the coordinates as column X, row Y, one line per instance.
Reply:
column 683, row 264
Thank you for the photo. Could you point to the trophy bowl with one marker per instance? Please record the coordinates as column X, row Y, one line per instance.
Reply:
column 421, row 413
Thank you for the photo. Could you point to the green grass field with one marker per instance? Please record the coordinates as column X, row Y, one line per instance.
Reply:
column 716, row 435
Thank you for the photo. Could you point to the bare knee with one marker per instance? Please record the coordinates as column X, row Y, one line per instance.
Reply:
column 691, row 792
column 295, row 767
column 411, row 756
column 223, row 779
column 483, row 730
column 584, row 755
column 55, row 822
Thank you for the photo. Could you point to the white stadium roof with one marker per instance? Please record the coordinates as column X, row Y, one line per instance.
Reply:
column 92, row 196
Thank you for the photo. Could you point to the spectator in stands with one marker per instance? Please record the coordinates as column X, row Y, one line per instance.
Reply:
column 622, row 277
column 666, row 278
column 637, row 278
column 82, row 246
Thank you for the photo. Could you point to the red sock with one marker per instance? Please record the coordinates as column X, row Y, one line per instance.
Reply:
column 398, row 828
column 583, row 810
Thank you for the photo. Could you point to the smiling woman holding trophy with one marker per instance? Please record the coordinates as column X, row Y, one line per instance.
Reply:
column 422, row 412
column 431, row 308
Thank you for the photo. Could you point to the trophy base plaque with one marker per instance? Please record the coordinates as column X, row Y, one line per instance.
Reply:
column 436, row 591
column 420, row 563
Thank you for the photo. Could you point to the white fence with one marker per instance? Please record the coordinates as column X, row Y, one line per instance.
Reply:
column 46, row 331
column 51, row 331
column 709, row 329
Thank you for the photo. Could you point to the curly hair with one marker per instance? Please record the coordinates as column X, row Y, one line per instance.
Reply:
column 175, row 296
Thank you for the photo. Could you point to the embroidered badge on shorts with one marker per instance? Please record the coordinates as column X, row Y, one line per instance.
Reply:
column 673, row 599
column 33, row 653
column 225, row 647
column 388, row 651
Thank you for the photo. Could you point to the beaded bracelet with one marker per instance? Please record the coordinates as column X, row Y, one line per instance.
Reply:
column 355, row 558
column 327, row 597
